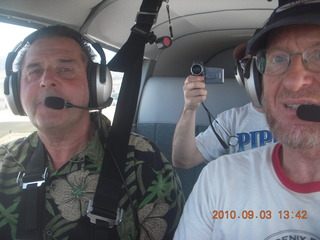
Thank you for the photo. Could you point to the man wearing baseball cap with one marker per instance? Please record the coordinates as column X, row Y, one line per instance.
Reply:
column 240, row 128
column 271, row 192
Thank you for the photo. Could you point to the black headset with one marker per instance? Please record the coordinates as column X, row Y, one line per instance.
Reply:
column 250, row 78
column 98, row 74
column 253, row 82
column 238, row 73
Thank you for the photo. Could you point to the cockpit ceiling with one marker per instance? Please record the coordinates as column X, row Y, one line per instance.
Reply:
column 110, row 21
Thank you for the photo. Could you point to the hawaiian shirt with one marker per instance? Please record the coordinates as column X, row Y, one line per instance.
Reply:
column 156, row 199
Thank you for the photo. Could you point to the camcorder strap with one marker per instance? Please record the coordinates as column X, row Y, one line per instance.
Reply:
column 33, row 185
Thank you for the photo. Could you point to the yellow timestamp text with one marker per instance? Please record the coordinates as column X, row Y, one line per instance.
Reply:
column 263, row 214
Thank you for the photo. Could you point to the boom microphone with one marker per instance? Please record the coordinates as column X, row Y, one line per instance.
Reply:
column 59, row 103
column 54, row 102
column 309, row 113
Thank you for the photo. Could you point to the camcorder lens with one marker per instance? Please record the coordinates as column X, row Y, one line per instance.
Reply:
column 197, row 69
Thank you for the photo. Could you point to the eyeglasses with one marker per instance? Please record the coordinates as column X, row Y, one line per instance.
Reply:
column 275, row 62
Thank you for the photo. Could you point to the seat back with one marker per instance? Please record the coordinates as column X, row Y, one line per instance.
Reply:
column 161, row 106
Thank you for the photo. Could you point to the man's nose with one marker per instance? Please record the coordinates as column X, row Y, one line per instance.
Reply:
column 297, row 75
column 48, row 78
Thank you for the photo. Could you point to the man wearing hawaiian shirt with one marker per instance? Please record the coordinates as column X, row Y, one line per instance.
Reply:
column 55, row 64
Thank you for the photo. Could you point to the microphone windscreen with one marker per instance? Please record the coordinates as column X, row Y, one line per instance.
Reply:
column 54, row 102
column 309, row 113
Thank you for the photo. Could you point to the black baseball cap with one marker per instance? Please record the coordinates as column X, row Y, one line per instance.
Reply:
column 294, row 12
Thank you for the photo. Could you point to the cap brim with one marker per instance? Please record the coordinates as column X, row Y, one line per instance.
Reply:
column 240, row 51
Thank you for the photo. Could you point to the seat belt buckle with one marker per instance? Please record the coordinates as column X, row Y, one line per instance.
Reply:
column 111, row 222
column 24, row 184
column 146, row 17
column 148, row 36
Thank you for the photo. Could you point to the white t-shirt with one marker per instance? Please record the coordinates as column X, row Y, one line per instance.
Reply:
column 252, row 198
column 244, row 126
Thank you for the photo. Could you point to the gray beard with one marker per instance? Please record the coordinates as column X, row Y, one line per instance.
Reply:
column 294, row 137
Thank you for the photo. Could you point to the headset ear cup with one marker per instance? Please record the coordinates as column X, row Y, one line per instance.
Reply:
column 91, row 75
column 12, row 84
column 238, row 73
column 100, row 84
column 12, row 93
column 252, row 82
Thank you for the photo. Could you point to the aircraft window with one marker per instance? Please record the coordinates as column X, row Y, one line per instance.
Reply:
column 12, row 126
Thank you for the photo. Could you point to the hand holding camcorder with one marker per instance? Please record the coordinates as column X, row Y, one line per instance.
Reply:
column 211, row 75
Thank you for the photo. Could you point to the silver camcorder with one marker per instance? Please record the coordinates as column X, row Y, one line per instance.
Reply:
column 211, row 75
